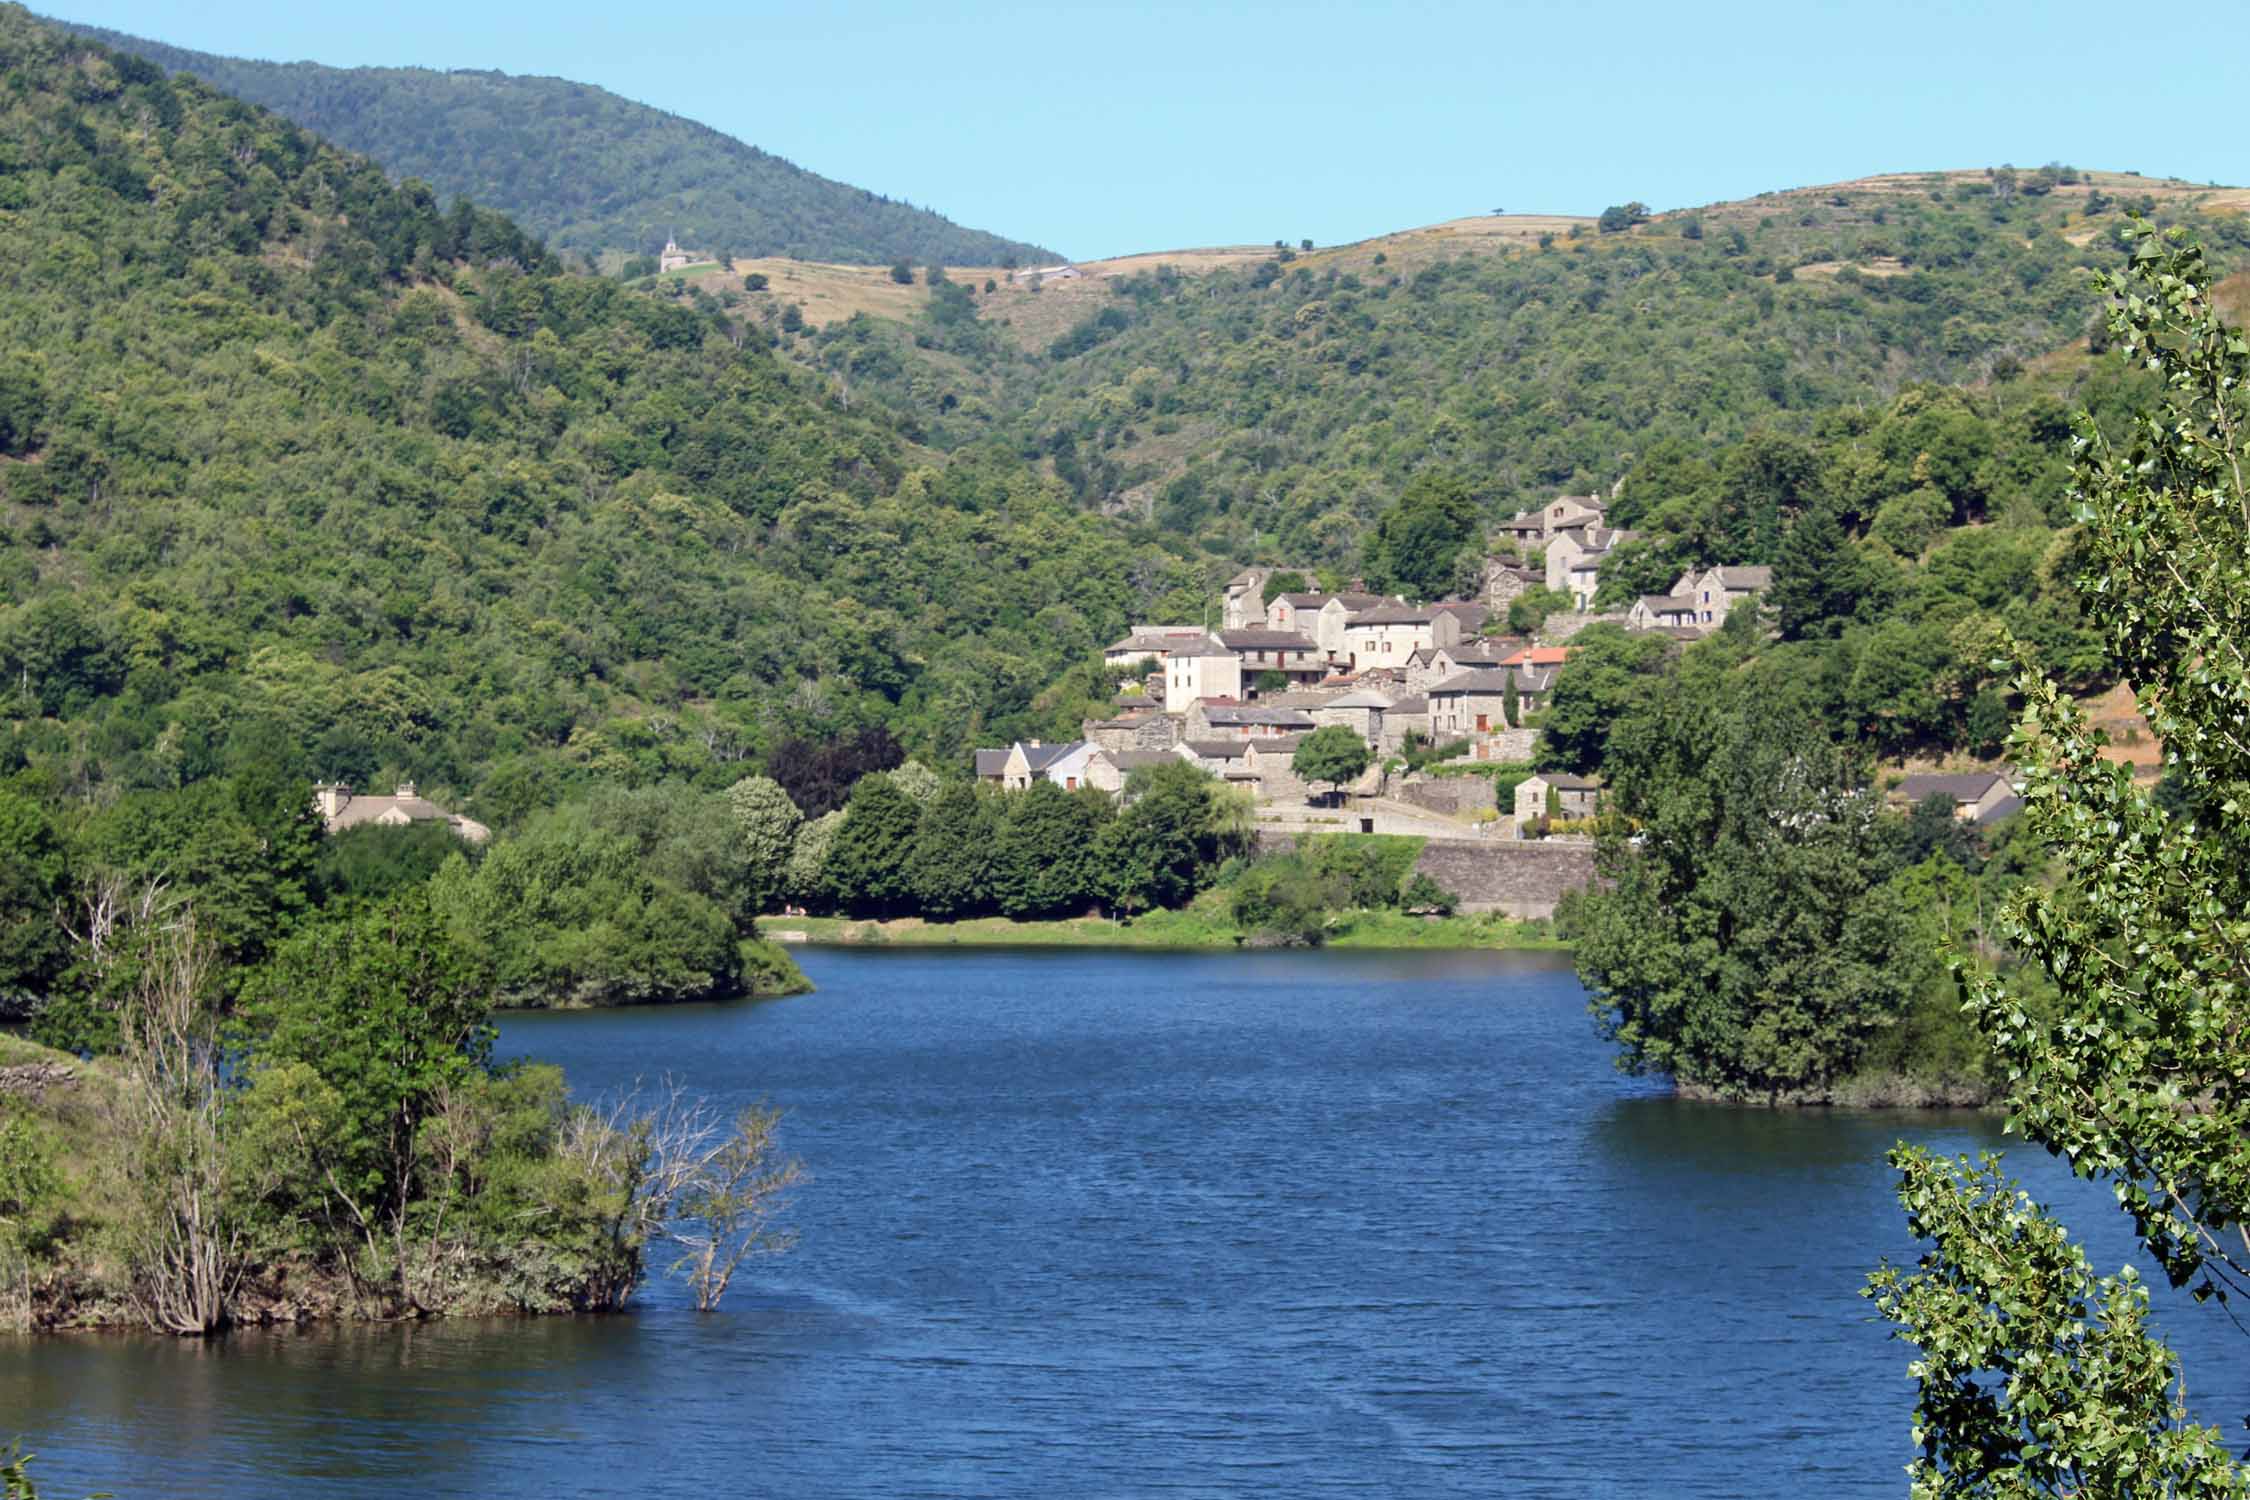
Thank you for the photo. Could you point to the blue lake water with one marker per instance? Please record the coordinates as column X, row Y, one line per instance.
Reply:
column 1133, row 1224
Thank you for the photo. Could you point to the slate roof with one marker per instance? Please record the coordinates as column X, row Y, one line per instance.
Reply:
column 1412, row 703
column 1205, row 647
column 1154, row 640
column 1494, row 680
column 1751, row 579
column 1219, row 749
column 1257, row 638
column 1282, row 718
column 1393, row 614
column 1364, row 698
column 1563, row 781
column 1668, row 604
column 991, row 763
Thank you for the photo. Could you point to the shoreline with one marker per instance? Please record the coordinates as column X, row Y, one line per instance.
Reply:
column 1187, row 930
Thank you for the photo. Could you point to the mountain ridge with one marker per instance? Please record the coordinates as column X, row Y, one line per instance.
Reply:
column 587, row 169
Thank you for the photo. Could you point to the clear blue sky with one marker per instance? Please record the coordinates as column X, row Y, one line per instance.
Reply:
column 1101, row 129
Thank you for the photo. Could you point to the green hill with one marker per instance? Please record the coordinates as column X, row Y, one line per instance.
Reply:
column 292, row 457
column 583, row 168
column 1273, row 404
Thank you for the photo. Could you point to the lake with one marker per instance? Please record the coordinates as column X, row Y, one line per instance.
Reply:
column 1131, row 1223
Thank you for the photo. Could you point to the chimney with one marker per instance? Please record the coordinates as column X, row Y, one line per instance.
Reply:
column 405, row 789
column 1034, row 744
column 331, row 799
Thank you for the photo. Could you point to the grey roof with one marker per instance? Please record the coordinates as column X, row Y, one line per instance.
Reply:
column 1277, row 744
column 1392, row 614
column 1412, row 703
column 1752, row 579
column 1283, row 718
column 1042, row 756
column 1258, row 637
column 1204, row 647
column 1563, row 781
column 1155, row 640
column 1364, row 698
column 1471, row 614
column 1668, row 604
column 1961, row 786
column 1492, row 680
column 991, row 763
column 1219, row 749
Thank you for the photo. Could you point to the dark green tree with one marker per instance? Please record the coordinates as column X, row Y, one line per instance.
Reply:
column 1744, row 941
column 1043, row 855
column 1164, row 846
column 949, row 864
column 1821, row 581
column 1332, row 754
column 866, row 868
column 1610, row 671
column 1418, row 544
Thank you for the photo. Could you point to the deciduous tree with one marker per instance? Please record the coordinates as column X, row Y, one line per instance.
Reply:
column 2036, row 1377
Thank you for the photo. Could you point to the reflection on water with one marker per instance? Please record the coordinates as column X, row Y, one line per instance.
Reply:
column 1294, row 1224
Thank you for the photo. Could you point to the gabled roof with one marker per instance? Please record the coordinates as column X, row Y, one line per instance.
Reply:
column 1219, row 749
column 1364, row 698
column 991, row 763
column 1280, row 744
column 1563, row 781
column 1667, row 604
column 1750, row 579
column 1537, row 656
column 1040, row 757
column 1961, row 786
column 1471, row 614
column 1205, row 647
column 1412, row 703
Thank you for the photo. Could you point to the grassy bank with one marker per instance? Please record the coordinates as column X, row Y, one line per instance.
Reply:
column 1192, row 928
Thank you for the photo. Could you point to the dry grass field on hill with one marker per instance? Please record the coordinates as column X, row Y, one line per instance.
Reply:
column 1036, row 305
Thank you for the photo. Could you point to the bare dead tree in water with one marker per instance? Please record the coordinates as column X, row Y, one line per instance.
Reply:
column 183, row 1242
column 735, row 1186
column 681, row 1171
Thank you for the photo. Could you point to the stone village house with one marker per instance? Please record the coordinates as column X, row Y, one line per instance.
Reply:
column 340, row 809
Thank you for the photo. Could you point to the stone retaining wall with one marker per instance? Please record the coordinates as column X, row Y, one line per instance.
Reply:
column 1518, row 878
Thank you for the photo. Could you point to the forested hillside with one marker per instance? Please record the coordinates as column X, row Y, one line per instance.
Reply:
column 584, row 168
column 1276, row 408
column 297, row 461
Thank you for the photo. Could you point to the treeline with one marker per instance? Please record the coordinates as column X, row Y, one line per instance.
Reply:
column 907, row 843
column 589, row 170
column 624, row 896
